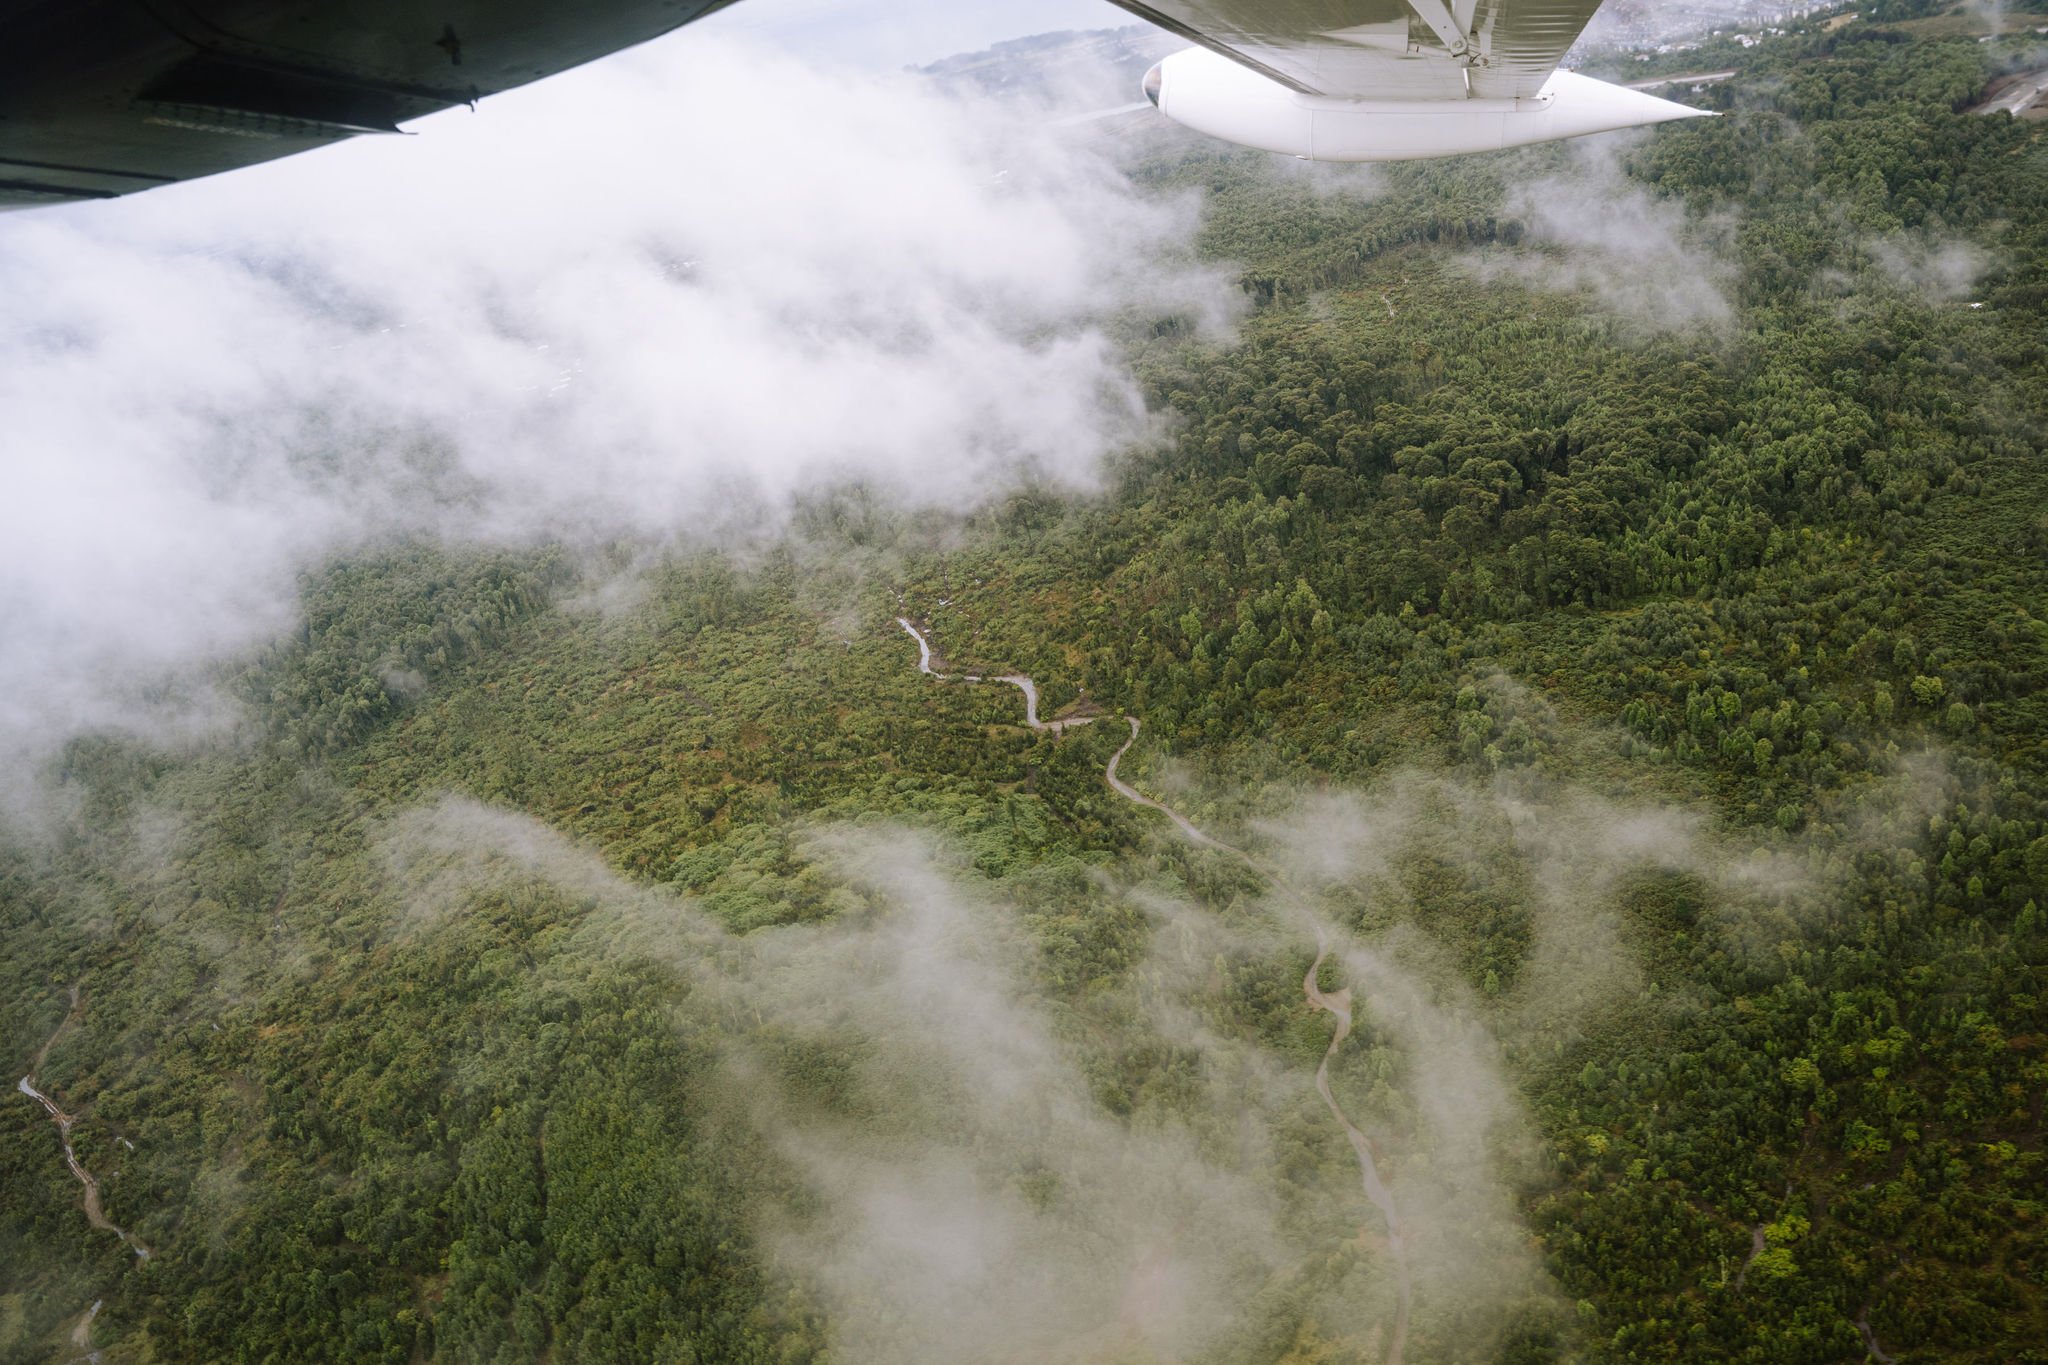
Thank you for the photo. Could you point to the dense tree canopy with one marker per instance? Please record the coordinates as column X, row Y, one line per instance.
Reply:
column 1452, row 522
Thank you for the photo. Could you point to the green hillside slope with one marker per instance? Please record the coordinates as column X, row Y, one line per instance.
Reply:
column 1610, row 593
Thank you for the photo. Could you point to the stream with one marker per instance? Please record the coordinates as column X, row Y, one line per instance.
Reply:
column 1337, row 1003
column 94, row 1213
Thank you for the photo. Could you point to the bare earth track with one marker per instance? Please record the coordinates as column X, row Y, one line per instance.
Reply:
column 1336, row 1003
column 94, row 1213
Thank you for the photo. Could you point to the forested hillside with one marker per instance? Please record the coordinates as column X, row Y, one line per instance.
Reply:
column 1604, row 588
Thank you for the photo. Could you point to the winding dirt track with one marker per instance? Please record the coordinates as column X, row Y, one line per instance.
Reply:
column 1130, row 793
column 1337, row 1003
column 81, row 1335
column 94, row 1213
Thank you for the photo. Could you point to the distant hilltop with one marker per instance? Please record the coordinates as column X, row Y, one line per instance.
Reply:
column 1090, row 68
column 1082, row 68
column 1638, row 23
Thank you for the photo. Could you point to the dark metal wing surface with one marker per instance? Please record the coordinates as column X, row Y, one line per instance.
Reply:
column 100, row 98
column 1385, row 49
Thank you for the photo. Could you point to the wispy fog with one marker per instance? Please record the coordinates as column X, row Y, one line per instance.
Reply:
column 897, row 33
column 985, row 1205
column 963, row 1195
column 1939, row 270
column 654, row 296
column 953, row 1184
column 1592, row 229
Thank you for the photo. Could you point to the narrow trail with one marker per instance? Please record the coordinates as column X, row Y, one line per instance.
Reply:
column 81, row 1335
column 1870, row 1338
column 1336, row 1003
column 63, row 1027
column 1756, row 1249
column 1862, row 1324
column 1016, row 680
column 1130, row 793
column 94, row 1213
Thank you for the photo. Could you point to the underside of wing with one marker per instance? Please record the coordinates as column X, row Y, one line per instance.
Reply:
column 100, row 98
column 1385, row 49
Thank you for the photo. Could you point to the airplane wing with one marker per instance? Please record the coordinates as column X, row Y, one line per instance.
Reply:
column 100, row 98
column 1384, row 49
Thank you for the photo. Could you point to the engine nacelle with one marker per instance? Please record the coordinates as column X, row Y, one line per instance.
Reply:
column 1214, row 95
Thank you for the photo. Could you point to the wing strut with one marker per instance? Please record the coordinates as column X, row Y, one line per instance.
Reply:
column 1444, row 24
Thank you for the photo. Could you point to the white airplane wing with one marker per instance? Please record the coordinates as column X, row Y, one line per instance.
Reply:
column 1385, row 80
column 1384, row 49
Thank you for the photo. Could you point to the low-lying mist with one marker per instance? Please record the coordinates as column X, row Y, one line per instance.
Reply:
column 651, row 298
column 1065, row 1107
column 958, row 1190
column 957, row 1186
column 1592, row 229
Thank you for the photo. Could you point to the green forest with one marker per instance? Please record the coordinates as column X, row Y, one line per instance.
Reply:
column 1605, row 589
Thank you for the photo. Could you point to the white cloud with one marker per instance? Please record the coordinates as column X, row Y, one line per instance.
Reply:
column 631, row 299
column 1939, row 270
column 1605, row 234
column 887, row 33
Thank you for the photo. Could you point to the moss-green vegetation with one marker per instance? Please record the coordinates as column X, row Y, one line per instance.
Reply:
column 1542, row 571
